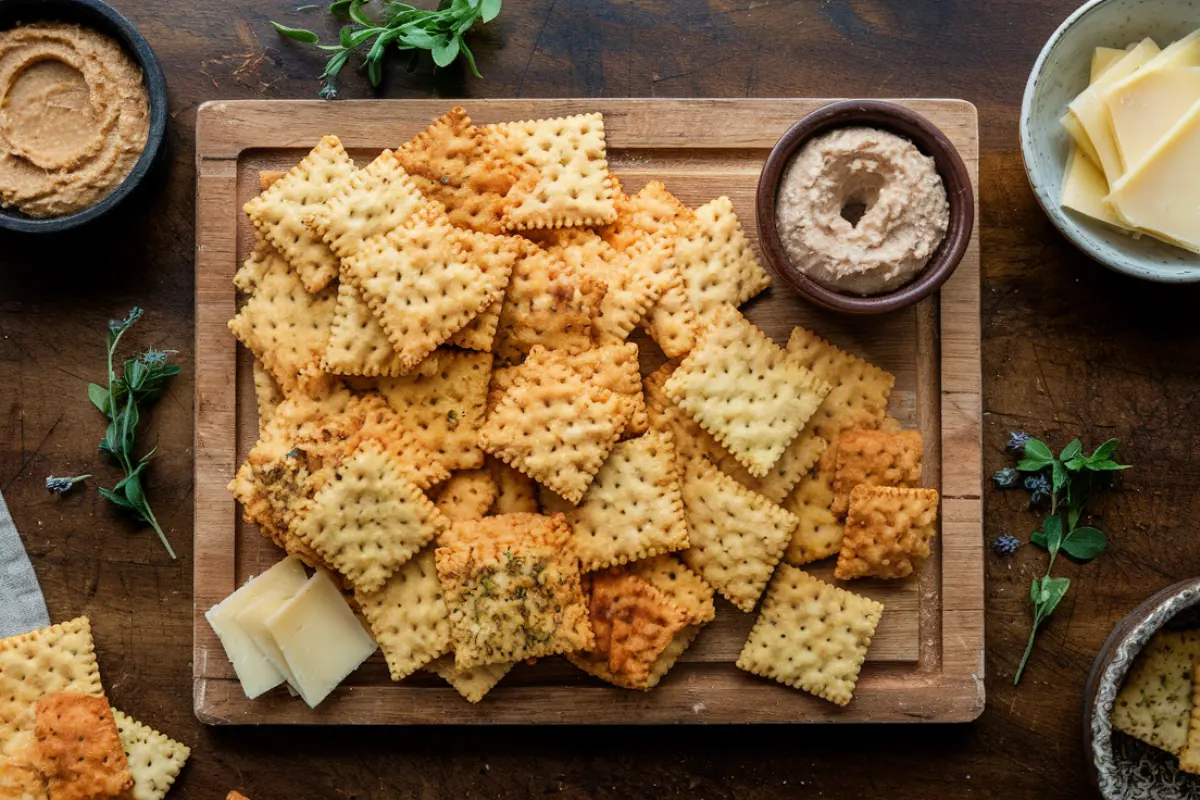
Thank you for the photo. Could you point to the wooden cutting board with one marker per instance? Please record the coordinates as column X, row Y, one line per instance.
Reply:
column 927, row 661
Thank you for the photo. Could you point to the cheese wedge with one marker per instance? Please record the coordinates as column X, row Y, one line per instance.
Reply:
column 1084, row 189
column 319, row 636
column 1161, row 195
column 254, row 669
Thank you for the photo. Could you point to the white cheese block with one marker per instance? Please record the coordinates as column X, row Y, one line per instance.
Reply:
column 319, row 636
column 253, row 620
column 254, row 670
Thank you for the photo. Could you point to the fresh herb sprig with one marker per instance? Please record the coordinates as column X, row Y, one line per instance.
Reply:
column 406, row 28
column 1067, row 481
column 141, row 382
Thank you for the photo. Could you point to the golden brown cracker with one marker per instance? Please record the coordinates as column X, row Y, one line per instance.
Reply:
column 652, row 212
column 358, row 344
column 256, row 265
column 819, row 533
column 267, row 394
column 1156, row 699
column 860, row 390
column 686, row 589
column 495, row 255
column 472, row 683
column 268, row 177
column 691, row 440
column 889, row 531
column 875, row 458
column 466, row 495
column 78, row 750
column 613, row 366
column 408, row 616
column 516, row 492
column 716, row 260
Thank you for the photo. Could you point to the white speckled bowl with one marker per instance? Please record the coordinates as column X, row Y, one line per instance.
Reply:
column 1061, row 73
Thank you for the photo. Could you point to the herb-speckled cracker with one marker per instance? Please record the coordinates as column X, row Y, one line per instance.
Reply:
column 745, row 390
column 737, row 537
column 875, row 458
column 860, row 392
column 1155, row 702
column 472, row 683
column 495, row 255
column 556, row 426
column 77, row 748
column 716, row 260
column 888, row 532
column 280, row 211
column 155, row 759
column 811, row 636
column 408, row 616
column 634, row 507
column 512, row 585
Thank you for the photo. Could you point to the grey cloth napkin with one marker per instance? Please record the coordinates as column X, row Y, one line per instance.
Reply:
column 22, row 607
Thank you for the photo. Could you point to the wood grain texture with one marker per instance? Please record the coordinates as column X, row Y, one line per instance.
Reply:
column 1068, row 349
column 700, row 149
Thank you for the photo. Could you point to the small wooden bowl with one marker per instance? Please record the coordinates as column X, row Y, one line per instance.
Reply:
column 1115, row 770
column 930, row 141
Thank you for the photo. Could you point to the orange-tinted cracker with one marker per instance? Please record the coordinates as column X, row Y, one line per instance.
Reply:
column 888, row 532
column 875, row 458
column 819, row 534
column 860, row 392
column 78, row 749
column 496, row 255
column 685, row 588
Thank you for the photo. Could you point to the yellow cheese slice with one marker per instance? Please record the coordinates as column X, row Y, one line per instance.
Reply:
column 1084, row 189
column 319, row 636
column 1148, row 105
column 1091, row 112
column 1161, row 195
column 1082, row 143
column 1103, row 58
column 253, row 620
column 254, row 670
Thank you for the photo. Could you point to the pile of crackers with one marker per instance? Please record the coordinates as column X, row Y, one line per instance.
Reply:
column 59, row 738
column 455, row 421
column 1160, row 700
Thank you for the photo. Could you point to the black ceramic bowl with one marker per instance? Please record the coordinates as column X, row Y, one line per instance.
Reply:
column 930, row 141
column 98, row 16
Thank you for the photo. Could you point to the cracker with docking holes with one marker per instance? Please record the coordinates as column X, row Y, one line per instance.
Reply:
column 547, row 303
column 60, row 658
column 77, row 748
column 369, row 519
column 252, row 270
column 797, row 461
column 716, row 260
column 613, row 366
column 1189, row 756
column 819, row 533
column 155, row 759
column 376, row 200
column 421, row 285
column 875, row 458
column 443, row 403
column 632, row 510
column 811, row 635
column 516, row 492
column 268, row 177
column 736, row 537
column 567, row 183
column 473, row 683
column 691, row 440
column 267, row 394
column 686, row 588
column 358, row 344
column 557, row 426
column 280, row 211
column 745, row 390
column 1156, row 699
column 512, row 585
column 408, row 616
column 889, row 531
column 466, row 495
column 860, row 391
column 467, row 169
column 284, row 325
column 495, row 255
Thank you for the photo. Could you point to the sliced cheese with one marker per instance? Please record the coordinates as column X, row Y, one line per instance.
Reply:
column 1103, row 58
column 1144, row 108
column 254, row 669
column 1084, row 189
column 1091, row 112
column 253, row 620
column 1161, row 195
column 319, row 636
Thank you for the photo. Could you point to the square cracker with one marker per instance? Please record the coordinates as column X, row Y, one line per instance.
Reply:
column 369, row 519
column 745, row 390
column 246, row 279
column 421, row 285
column 60, row 658
column 634, row 507
column 472, row 683
column 548, row 303
column 685, row 588
column 358, row 344
column 279, row 213
column 888, row 532
column 737, row 537
column 284, row 325
column 155, row 759
column 1189, row 756
column 495, row 255
column 556, row 426
column 797, row 460
column 691, row 440
column 442, row 404
column 860, row 392
column 516, row 492
column 377, row 199
column 716, row 260
column 875, row 458
column 77, row 748
column 466, row 495
column 568, row 183
column 408, row 616
column 1156, row 699
column 811, row 636
column 819, row 533
column 512, row 585
column 613, row 366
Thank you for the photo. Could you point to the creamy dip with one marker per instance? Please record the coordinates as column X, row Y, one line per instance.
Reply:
column 861, row 210
column 74, row 117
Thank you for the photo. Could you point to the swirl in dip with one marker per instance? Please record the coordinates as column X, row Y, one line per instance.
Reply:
column 861, row 211
column 74, row 118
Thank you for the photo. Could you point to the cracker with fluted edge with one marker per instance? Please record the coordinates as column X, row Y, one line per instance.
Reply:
column 691, row 440
column 797, row 460
column 632, row 510
column 736, row 536
column 811, row 635
column 516, row 492
column 819, row 534
column 875, row 458
column 495, row 255
column 613, row 366
column 556, row 426
column 408, row 616
column 256, row 265
column 77, row 748
column 716, row 260
column 466, row 495
column 280, row 211
column 690, row 592
column 267, row 394
column 1156, row 699
column 155, row 759
column 860, row 390
column 473, row 683
column 369, row 519
column 889, row 532
column 358, row 344
column 652, row 212
column 745, row 390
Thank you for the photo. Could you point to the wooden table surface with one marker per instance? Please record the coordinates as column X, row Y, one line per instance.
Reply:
column 1069, row 349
